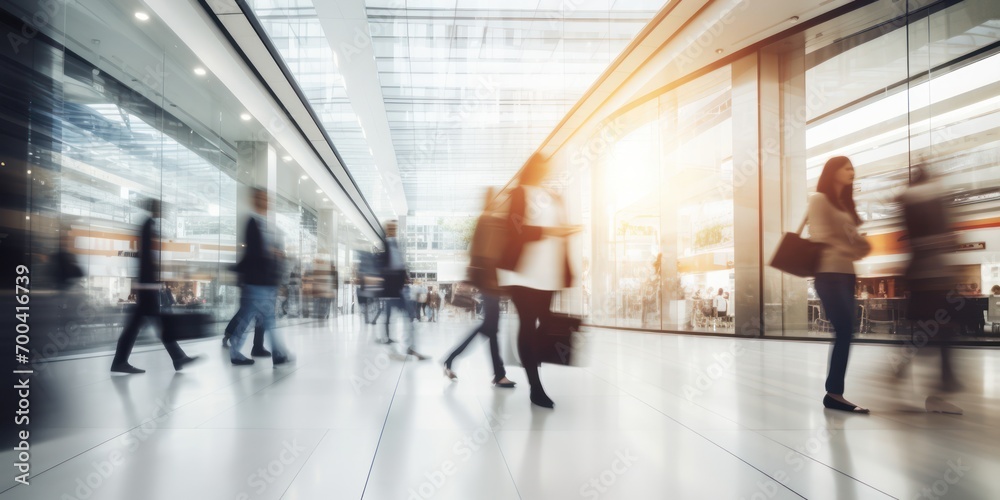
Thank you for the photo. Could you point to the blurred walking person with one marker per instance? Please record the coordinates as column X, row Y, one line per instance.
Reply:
column 484, row 253
column 258, row 349
column 433, row 304
column 834, row 221
column 260, row 270
column 323, row 282
column 394, row 278
column 150, row 293
column 931, row 277
column 537, row 258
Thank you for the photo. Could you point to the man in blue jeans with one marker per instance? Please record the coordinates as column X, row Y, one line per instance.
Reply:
column 394, row 278
column 260, row 272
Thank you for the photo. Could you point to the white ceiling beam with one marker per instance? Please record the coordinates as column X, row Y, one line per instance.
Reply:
column 345, row 24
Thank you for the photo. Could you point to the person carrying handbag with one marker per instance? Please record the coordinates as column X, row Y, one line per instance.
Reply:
column 834, row 221
column 536, row 262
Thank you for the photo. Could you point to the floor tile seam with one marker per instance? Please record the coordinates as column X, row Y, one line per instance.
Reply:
column 811, row 458
column 81, row 453
column 311, row 453
column 137, row 426
column 679, row 396
column 503, row 456
column 127, row 431
column 385, row 422
column 668, row 391
column 705, row 438
column 747, row 429
column 742, row 426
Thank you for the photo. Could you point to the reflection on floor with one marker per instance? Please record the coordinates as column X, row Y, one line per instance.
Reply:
column 648, row 416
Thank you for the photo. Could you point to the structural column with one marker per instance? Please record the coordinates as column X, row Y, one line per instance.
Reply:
column 746, row 196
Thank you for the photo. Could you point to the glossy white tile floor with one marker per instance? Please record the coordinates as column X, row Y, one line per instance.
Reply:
column 647, row 416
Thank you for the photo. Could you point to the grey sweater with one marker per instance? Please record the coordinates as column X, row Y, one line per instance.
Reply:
column 837, row 229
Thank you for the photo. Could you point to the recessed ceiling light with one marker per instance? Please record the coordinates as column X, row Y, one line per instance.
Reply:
column 793, row 19
column 245, row 117
column 318, row 191
column 718, row 51
column 29, row 171
column 200, row 71
column 304, row 177
column 287, row 158
column 142, row 16
column 326, row 199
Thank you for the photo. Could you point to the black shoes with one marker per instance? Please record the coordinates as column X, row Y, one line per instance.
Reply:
column 242, row 362
column 126, row 368
column 179, row 363
column 260, row 353
column 507, row 385
column 282, row 361
column 541, row 399
column 225, row 342
column 834, row 404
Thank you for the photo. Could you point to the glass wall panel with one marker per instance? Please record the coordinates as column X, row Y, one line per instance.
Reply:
column 103, row 111
column 908, row 86
column 660, row 254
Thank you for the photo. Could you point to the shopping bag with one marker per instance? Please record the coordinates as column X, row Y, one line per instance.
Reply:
column 185, row 326
column 554, row 344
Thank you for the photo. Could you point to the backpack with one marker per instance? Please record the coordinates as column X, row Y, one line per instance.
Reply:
column 488, row 243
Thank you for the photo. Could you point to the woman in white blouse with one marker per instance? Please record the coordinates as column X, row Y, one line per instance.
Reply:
column 834, row 221
column 536, row 260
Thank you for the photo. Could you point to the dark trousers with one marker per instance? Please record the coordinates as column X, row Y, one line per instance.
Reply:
column 532, row 306
column 489, row 327
column 377, row 305
column 258, row 333
column 836, row 292
column 404, row 306
column 147, row 307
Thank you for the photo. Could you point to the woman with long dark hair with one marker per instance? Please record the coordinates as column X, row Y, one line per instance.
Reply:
column 834, row 221
column 536, row 254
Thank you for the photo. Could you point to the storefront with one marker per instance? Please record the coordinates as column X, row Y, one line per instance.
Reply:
column 686, row 191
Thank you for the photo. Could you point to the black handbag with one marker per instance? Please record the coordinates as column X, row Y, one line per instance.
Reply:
column 555, row 340
column 797, row 255
column 186, row 326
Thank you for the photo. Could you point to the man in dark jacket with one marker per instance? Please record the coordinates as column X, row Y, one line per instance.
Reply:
column 149, row 295
column 394, row 278
column 260, row 273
